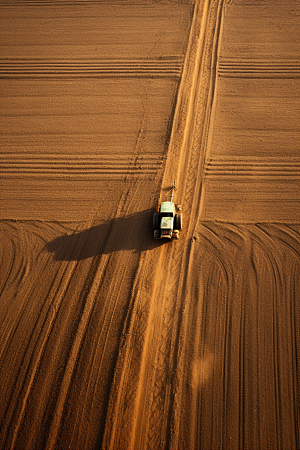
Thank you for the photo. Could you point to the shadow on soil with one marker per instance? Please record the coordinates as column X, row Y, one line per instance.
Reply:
column 133, row 232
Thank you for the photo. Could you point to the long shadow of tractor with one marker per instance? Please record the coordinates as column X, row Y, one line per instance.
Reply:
column 132, row 232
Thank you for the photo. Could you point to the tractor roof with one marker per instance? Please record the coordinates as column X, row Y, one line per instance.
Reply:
column 167, row 207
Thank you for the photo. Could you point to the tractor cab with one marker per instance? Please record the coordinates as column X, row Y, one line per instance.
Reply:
column 167, row 221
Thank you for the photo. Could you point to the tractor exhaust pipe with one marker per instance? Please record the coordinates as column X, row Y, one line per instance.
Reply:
column 173, row 189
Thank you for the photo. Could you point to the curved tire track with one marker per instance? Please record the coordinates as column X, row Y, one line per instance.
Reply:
column 244, row 358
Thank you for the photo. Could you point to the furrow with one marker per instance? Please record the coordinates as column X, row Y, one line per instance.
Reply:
column 40, row 166
column 250, row 68
column 254, row 65
column 242, row 164
column 116, row 65
column 88, row 68
column 89, row 177
column 155, row 74
column 42, row 68
column 259, row 65
column 254, row 177
column 49, row 2
column 258, row 71
column 275, row 71
column 73, row 163
column 257, row 168
column 248, row 167
column 53, row 171
column 254, row 173
column 86, row 158
column 251, row 168
column 85, row 69
column 262, row 75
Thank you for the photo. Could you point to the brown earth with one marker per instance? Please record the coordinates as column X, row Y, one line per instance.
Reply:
column 109, row 339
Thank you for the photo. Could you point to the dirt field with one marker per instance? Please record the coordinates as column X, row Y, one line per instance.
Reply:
column 109, row 339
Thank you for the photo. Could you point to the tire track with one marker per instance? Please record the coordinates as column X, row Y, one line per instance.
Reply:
column 14, row 270
column 127, row 394
column 73, row 356
column 16, row 282
column 104, row 299
column 108, row 68
column 150, row 405
column 191, row 179
column 79, row 437
column 27, row 381
column 149, row 417
column 51, row 297
column 253, row 344
column 280, row 298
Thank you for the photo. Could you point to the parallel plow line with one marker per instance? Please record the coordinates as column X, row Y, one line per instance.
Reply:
column 74, row 165
column 37, row 68
column 232, row 67
column 253, row 167
column 51, row 2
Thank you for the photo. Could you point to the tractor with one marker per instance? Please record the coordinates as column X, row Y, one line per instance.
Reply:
column 167, row 220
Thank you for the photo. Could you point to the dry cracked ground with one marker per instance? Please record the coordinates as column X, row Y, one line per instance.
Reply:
column 111, row 340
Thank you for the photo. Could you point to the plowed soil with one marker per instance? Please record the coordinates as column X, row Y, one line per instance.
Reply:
column 109, row 339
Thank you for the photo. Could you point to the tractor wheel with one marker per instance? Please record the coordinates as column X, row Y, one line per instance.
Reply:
column 178, row 207
column 156, row 221
column 156, row 234
column 178, row 221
